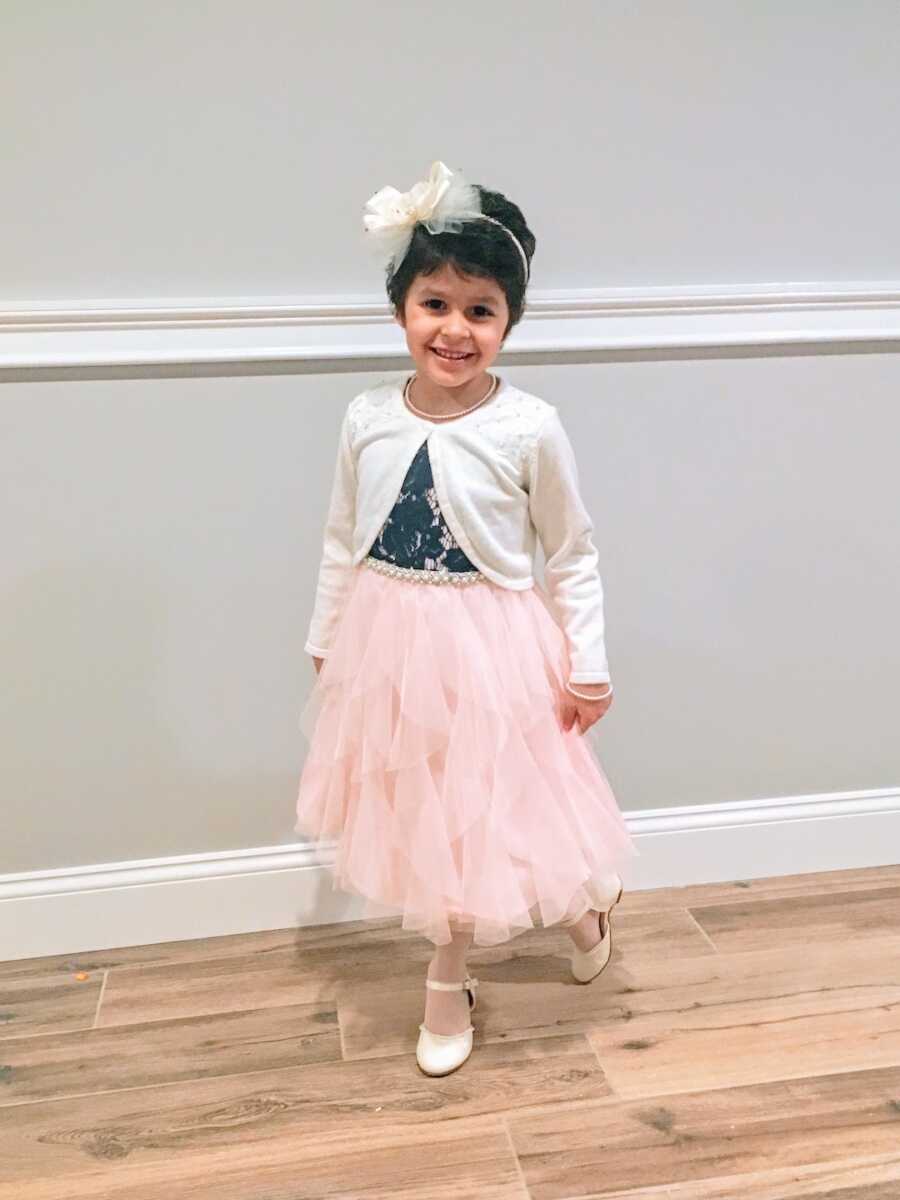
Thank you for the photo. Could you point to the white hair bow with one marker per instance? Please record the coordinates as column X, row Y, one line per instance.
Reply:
column 442, row 203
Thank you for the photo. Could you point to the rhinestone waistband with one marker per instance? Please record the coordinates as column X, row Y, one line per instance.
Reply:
column 459, row 578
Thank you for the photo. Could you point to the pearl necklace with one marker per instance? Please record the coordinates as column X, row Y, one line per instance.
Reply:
column 495, row 382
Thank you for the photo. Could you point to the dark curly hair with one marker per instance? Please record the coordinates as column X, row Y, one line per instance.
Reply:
column 480, row 248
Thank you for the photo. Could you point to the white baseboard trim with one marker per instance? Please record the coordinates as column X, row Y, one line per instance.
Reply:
column 278, row 887
column 352, row 333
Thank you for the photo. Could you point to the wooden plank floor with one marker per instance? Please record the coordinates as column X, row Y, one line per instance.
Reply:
column 743, row 1044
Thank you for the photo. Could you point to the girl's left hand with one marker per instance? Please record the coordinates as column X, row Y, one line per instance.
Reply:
column 587, row 712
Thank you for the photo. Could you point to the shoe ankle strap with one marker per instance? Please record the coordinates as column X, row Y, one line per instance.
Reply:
column 451, row 987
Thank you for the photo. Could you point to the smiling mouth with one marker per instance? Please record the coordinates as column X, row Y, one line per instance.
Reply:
column 448, row 357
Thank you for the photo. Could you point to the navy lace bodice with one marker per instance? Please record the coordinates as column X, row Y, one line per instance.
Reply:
column 415, row 533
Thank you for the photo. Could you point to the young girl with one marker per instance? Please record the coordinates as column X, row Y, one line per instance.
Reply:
column 446, row 753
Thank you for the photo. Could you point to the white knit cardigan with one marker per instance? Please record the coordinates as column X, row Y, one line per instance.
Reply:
column 503, row 474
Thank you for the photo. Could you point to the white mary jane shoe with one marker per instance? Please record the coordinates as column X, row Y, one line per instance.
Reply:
column 441, row 1053
column 587, row 964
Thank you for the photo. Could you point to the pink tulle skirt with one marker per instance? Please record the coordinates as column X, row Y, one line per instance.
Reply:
column 438, row 771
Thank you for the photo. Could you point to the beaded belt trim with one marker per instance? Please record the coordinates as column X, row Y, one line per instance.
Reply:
column 443, row 576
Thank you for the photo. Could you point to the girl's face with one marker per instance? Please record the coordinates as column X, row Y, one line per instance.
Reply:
column 460, row 315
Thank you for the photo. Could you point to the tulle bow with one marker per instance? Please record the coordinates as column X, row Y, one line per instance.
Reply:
column 441, row 202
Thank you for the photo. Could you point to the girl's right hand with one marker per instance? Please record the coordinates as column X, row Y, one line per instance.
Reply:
column 317, row 663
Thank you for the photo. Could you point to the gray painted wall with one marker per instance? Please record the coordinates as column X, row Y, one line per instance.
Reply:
column 165, row 538
column 180, row 149
column 161, row 531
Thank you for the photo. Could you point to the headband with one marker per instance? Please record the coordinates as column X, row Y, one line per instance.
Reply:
column 442, row 203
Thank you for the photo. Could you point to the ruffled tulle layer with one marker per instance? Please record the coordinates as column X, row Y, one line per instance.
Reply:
column 439, row 765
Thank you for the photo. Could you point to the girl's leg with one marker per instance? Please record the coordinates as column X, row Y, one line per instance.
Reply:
column 588, row 930
column 448, row 1012
column 588, row 926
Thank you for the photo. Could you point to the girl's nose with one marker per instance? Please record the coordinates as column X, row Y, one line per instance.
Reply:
column 455, row 327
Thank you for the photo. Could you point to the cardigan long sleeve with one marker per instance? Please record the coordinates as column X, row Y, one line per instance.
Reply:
column 337, row 554
column 571, row 567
